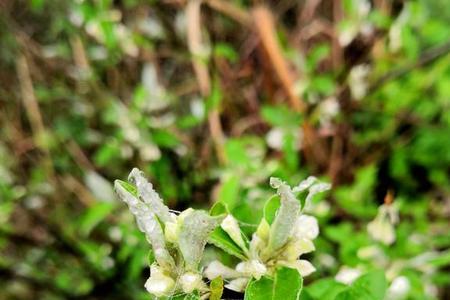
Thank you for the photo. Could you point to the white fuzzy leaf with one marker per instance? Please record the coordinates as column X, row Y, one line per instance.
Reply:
column 194, row 232
column 148, row 195
column 286, row 217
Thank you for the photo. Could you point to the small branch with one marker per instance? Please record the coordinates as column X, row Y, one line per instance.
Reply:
column 429, row 56
column 265, row 27
column 229, row 9
column 194, row 39
column 32, row 110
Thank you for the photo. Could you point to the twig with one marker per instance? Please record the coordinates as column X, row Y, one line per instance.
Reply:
column 265, row 27
column 201, row 71
column 32, row 110
column 230, row 10
column 426, row 58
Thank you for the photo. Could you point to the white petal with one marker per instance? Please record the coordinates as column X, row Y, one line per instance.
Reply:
column 305, row 267
column 237, row 285
column 298, row 247
column 347, row 275
column 253, row 268
column 399, row 288
column 381, row 230
column 306, row 227
column 216, row 269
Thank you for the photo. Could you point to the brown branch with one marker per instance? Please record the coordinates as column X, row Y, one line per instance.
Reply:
column 229, row 9
column 194, row 39
column 265, row 27
column 33, row 112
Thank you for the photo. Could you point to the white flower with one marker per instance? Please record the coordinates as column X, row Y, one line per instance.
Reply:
column 216, row 269
column 190, row 282
column 304, row 267
column 347, row 275
column 159, row 284
column 382, row 227
column 399, row 288
column 358, row 81
column 253, row 268
column 231, row 226
column 237, row 285
column 275, row 138
column 306, row 227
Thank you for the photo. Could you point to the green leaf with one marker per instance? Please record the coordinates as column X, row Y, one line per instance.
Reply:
column 93, row 216
column 286, row 285
column 128, row 187
column 229, row 192
column 216, row 287
column 222, row 240
column 271, row 207
column 280, row 115
column 325, row 289
column 371, row 286
column 151, row 257
column 219, row 208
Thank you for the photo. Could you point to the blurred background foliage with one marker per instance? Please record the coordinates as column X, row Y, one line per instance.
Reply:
column 211, row 98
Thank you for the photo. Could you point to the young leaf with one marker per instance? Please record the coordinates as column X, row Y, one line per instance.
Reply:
column 271, row 207
column 222, row 240
column 216, row 287
column 286, row 285
column 219, row 208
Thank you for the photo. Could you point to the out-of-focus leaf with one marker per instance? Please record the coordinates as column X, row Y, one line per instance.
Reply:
column 371, row 286
column 93, row 216
column 229, row 192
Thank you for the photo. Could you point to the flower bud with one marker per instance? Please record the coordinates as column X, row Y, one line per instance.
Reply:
column 171, row 231
column 159, row 284
column 190, row 282
column 231, row 226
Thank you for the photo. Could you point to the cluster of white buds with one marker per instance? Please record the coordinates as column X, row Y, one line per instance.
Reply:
column 279, row 240
column 177, row 241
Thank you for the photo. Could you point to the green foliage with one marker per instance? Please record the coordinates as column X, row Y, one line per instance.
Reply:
column 286, row 284
column 369, row 286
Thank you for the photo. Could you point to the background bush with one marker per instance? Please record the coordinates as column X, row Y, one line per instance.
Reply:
column 210, row 101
